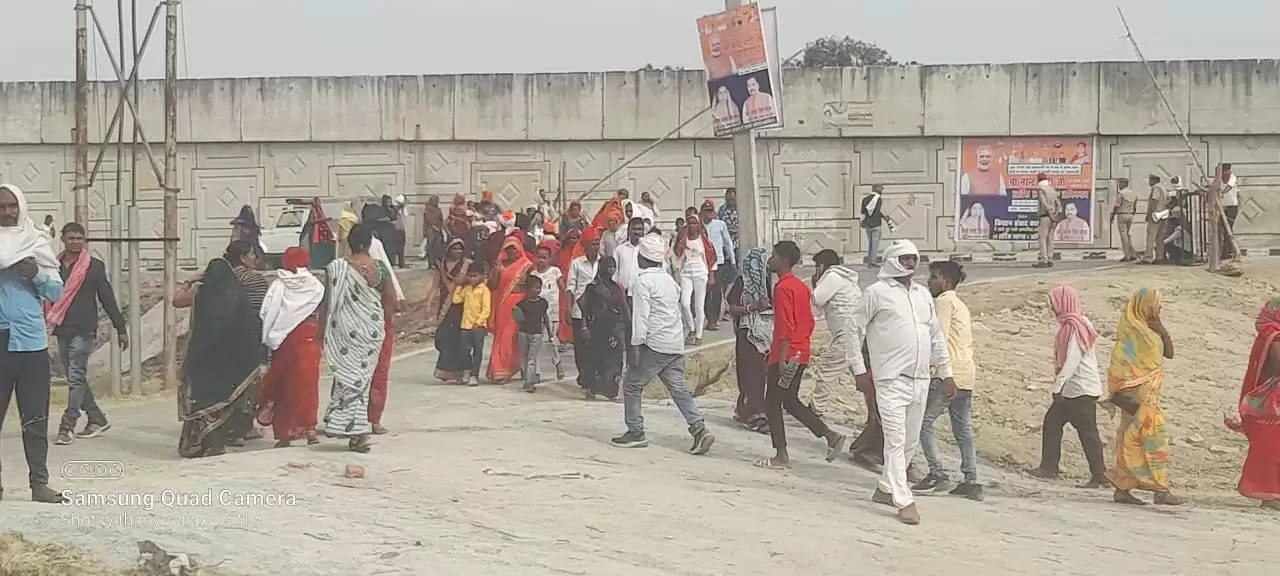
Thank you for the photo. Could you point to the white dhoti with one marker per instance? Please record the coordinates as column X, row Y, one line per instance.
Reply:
column 901, row 402
column 832, row 395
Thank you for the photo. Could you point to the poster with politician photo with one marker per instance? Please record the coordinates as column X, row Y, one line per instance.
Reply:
column 739, row 85
column 743, row 103
column 998, row 196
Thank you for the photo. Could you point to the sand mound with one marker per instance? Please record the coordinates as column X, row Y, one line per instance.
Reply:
column 1210, row 316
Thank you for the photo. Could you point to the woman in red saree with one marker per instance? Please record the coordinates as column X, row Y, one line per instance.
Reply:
column 570, row 248
column 1260, row 412
column 508, row 284
column 288, row 397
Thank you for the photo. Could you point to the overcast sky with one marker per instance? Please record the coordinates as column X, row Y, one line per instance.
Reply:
column 349, row 37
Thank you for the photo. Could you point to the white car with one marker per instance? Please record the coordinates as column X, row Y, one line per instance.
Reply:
column 285, row 233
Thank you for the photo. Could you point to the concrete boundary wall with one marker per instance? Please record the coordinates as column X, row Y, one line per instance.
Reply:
column 259, row 141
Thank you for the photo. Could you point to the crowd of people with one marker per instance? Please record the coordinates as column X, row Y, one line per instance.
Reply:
column 631, row 302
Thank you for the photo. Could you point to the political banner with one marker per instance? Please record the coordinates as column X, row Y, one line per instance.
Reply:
column 998, row 196
column 740, row 82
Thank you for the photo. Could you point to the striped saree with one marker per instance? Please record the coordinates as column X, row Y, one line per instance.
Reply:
column 352, row 340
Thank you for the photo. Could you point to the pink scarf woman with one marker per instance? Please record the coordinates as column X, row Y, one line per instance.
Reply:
column 1065, row 303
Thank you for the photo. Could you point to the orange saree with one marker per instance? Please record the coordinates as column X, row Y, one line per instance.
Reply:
column 504, row 358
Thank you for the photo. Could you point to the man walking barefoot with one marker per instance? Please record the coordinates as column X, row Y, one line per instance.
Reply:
column 657, row 349
column 788, row 357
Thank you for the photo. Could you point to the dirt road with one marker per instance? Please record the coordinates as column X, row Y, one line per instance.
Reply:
column 482, row 481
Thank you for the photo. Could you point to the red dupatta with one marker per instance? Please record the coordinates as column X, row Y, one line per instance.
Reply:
column 1259, row 402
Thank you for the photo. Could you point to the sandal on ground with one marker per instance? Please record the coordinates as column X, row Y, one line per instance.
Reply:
column 312, row 439
column 1168, row 499
column 237, row 443
column 1124, row 497
column 768, row 463
column 282, row 443
column 360, row 445
column 834, row 449
column 379, row 429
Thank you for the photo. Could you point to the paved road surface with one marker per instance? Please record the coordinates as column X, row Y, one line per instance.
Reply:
column 483, row 481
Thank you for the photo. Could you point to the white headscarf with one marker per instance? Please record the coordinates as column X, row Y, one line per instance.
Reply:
column 17, row 243
column 891, row 268
column 289, row 301
column 653, row 248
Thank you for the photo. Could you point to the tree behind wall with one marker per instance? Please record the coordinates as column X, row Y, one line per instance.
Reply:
column 832, row 51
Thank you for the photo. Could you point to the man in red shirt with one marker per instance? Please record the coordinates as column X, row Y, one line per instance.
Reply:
column 788, row 357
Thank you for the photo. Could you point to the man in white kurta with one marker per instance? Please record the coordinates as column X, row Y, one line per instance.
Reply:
column 904, row 339
column 836, row 297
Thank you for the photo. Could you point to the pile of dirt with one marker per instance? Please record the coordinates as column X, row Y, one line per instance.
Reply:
column 1211, row 318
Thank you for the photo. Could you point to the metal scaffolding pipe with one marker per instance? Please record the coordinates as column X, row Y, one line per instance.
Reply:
column 170, row 193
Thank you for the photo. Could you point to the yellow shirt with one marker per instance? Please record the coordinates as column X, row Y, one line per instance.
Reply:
column 953, row 317
column 475, row 305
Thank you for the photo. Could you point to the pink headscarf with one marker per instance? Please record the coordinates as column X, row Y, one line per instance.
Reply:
column 1071, row 320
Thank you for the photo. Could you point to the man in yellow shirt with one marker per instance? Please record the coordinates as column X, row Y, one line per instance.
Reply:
column 475, row 299
column 953, row 317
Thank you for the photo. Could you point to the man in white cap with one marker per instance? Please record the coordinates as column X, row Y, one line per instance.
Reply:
column 904, row 338
column 28, row 278
column 400, row 239
column 657, row 349
column 1050, row 212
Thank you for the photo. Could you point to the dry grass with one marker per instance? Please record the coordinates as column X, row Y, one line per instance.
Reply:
column 21, row 557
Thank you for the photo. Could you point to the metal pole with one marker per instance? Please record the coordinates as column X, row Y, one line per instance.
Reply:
column 1173, row 116
column 1213, row 200
column 641, row 153
column 117, row 215
column 135, row 306
column 123, row 82
column 135, row 260
column 1217, row 218
column 170, row 193
column 115, row 281
column 744, row 175
column 82, row 113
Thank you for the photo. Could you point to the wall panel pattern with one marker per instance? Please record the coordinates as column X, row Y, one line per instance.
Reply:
column 810, row 188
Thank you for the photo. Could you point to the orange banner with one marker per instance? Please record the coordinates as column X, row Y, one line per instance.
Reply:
column 733, row 42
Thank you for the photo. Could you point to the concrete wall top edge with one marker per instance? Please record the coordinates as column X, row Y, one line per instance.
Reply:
column 1034, row 99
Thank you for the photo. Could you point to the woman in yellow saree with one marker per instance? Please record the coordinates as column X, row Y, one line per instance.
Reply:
column 1136, row 382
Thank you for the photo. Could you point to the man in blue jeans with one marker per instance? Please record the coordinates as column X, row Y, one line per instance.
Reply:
column 956, row 324
column 75, row 321
column 873, row 218
column 657, row 349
